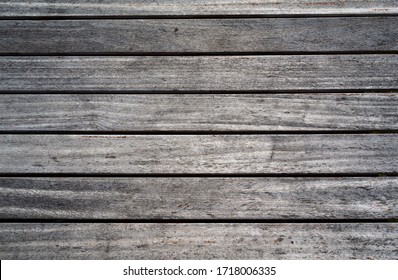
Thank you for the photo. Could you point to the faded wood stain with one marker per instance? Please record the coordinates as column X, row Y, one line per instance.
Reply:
column 280, row 118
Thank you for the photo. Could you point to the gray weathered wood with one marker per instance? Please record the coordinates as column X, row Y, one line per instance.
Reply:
column 199, row 35
column 199, row 198
column 192, row 7
column 199, row 241
column 200, row 112
column 199, row 153
column 170, row 73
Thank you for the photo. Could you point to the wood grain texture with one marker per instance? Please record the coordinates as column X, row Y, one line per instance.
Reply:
column 148, row 154
column 199, row 112
column 169, row 73
column 199, row 241
column 199, row 198
column 193, row 7
column 199, row 35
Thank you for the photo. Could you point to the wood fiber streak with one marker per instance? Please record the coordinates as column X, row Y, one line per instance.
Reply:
column 169, row 73
column 199, row 241
column 198, row 112
column 199, row 35
column 192, row 7
column 199, row 198
column 182, row 154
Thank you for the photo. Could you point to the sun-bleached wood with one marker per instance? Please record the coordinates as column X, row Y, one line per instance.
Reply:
column 199, row 73
column 17, row 8
column 199, row 112
column 199, row 198
column 183, row 154
column 47, row 170
column 332, row 34
column 199, row 241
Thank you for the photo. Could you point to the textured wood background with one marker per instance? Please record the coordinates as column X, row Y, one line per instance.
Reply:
column 196, row 129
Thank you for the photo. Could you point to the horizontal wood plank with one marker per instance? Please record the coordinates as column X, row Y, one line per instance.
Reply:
column 199, row 35
column 199, row 198
column 17, row 8
column 183, row 154
column 170, row 73
column 199, row 241
column 199, row 112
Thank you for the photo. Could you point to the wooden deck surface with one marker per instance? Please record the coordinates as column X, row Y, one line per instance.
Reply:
column 212, row 129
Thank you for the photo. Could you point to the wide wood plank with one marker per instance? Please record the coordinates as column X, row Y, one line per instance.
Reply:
column 199, row 112
column 199, row 35
column 17, row 8
column 199, row 198
column 170, row 73
column 179, row 154
column 199, row 241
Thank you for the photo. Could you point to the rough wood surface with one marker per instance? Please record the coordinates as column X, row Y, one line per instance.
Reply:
column 199, row 112
column 148, row 154
column 192, row 7
column 170, row 73
column 147, row 38
column 199, row 241
column 199, row 198
column 199, row 35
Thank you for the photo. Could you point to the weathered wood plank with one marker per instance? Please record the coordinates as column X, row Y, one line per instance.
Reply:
column 170, row 73
column 192, row 7
column 199, row 35
column 199, row 241
column 200, row 112
column 199, row 198
column 148, row 154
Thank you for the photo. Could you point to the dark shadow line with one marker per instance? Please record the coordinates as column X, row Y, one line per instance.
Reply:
column 198, row 132
column 228, row 53
column 197, row 221
column 194, row 175
column 193, row 16
column 286, row 91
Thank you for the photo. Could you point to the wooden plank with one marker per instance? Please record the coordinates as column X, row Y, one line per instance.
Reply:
column 15, row 8
column 199, row 35
column 170, row 73
column 199, row 241
column 199, row 198
column 181, row 154
column 199, row 112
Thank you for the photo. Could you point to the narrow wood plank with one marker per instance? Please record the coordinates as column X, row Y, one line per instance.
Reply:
column 148, row 154
column 192, row 7
column 199, row 198
column 170, row 73
column 199, row 112
column 199, row 35
column 199, row 241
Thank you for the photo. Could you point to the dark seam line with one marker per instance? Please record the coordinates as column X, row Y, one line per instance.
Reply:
column 188, row 54
column 198, row 132
column 216, row 16
column 195, row 175
column 196, row 221
column 286, row 91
